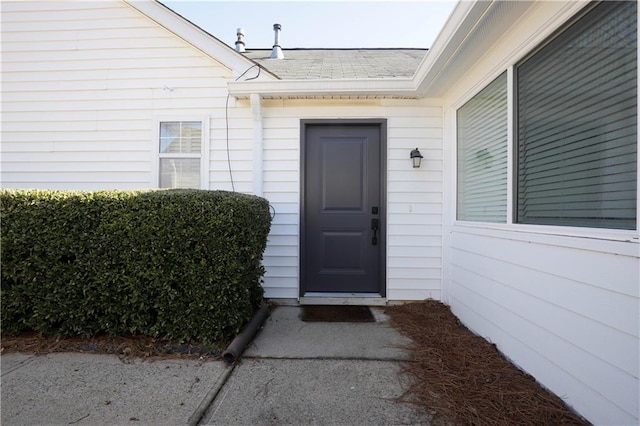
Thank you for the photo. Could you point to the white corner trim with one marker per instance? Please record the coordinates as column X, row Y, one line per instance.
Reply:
column 258, row 144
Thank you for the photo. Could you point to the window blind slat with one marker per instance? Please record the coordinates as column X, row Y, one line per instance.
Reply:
column 603, row 70
column 577, row 124
column 549, row 115
column 569, row 132
column 583, row 151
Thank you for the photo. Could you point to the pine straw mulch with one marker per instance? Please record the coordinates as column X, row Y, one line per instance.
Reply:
column 127, row 348
column 464, row 379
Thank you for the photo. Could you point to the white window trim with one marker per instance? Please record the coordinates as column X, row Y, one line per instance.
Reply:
column 511, row 189
column 638, row 153
column 204, row 153
column 468, row 95
column 577, row 238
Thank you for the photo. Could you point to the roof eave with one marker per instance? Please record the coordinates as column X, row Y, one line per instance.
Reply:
column 472, row 29
column 464, row 17
column 374, row 88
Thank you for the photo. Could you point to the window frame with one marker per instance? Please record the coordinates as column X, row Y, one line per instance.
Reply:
column 554, row 27
column 507, row 152
column 203, row 155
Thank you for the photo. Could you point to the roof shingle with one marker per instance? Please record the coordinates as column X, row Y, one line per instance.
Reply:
column 310, row 64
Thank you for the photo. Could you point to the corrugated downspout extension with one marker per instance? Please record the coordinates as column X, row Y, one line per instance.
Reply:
column 240, row 40
column 276, row 53
column 238, row 345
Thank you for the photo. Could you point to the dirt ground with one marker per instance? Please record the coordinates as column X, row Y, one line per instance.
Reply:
column 125, row 347
column 464, row 379
column 456, row 375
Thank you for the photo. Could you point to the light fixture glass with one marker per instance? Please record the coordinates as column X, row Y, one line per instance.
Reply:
column 416, row 157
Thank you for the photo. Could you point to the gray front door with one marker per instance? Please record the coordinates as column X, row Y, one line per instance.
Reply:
column 342, row 230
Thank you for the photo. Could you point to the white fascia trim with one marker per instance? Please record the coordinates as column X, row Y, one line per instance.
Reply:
column 462, row 20
column 402, row 87
column 195, row 36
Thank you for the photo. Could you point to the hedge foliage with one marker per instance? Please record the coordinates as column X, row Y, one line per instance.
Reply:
column 179, row 264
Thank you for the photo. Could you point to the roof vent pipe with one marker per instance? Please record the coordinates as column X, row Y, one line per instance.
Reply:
column 240, row 40
column 276, row 53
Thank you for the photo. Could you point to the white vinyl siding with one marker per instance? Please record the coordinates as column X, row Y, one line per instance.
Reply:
column 482, row 155
column 81, row 85
column 414, row 196
column 577, row 124
column 551, row 305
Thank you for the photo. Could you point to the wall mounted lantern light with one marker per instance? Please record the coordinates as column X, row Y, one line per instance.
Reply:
column 416, row 157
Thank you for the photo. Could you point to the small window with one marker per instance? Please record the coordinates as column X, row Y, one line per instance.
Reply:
column 482, row 155
column 577, row 124
column 180, row 154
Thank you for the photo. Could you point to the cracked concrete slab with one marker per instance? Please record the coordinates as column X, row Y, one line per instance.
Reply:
column 284, row 335
column 313, row 392
column 73, row 388
column 9, row 364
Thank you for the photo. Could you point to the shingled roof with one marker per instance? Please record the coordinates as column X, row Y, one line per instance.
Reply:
column 309, row 64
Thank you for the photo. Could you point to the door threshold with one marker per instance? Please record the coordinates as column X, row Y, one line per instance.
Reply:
column 362, row 299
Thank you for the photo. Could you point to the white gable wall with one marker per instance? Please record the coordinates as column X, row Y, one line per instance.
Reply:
column 83, row 85
column 561, row 303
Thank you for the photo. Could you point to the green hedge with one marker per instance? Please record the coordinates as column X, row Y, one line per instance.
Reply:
column 178, row 264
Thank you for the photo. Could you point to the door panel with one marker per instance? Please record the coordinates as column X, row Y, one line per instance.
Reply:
column 342, row 182
column 341, row 175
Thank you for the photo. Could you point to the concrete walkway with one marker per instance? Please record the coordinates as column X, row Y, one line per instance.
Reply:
column 294, row 372
column 83, row 389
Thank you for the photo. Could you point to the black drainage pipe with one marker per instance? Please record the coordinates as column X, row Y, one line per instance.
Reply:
column 237, row 346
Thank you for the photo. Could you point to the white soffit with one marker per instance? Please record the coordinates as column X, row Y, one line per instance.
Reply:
column 391, row 88
column 471, row 31
column 481, row 29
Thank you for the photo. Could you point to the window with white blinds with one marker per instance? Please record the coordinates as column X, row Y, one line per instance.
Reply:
column 180, row 153
column 482, row 155
column 577, row 124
